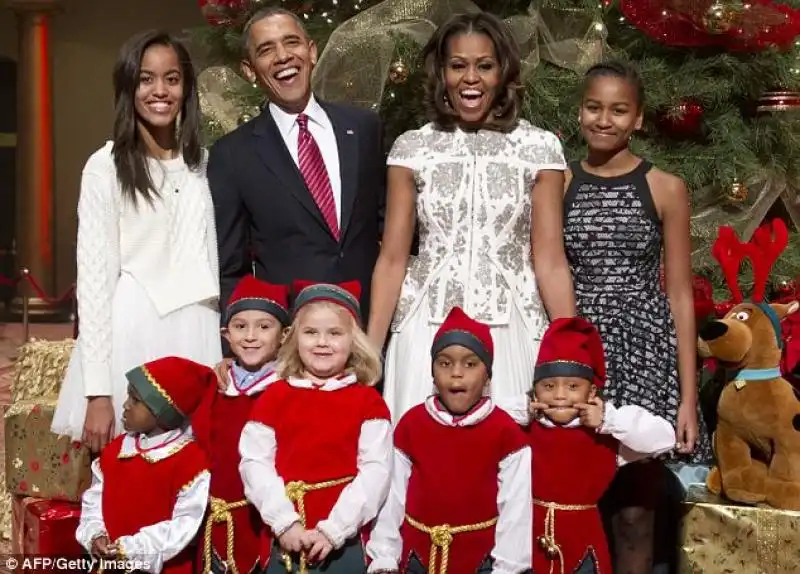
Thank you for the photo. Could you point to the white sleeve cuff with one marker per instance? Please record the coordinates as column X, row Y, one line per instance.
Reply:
column 329, row 530
column 382, row 565
column 284, row 523
column 96, row 377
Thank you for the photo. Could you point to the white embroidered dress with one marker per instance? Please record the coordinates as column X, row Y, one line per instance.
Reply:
column 474, row 220
column 148, row 283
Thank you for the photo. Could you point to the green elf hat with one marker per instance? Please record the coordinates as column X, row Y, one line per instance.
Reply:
column 344, row 294
column 172, row 388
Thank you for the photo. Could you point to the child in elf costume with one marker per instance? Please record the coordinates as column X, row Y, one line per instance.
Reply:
column 579, row 442
column 234, row 538
column 460, row 500
column 316, row 453
column 149, row 489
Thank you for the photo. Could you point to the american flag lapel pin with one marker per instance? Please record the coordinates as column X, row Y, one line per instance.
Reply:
column 349, row 132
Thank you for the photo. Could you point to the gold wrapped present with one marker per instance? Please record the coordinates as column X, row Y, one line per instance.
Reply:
column 38, row 462
column 40, row 368
column 718, row 536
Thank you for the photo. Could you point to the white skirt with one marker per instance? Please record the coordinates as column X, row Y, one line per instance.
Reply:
column 139, row 334
column 408, row 378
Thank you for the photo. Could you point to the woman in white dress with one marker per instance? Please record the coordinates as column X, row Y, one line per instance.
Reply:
column 147, row 282
column 472, row 179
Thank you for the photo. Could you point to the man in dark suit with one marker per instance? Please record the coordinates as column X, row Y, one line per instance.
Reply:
column 300, row 190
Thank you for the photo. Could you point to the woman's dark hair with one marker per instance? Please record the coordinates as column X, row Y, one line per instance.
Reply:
column 620, row 70
column 506, row 105
column 130, row 155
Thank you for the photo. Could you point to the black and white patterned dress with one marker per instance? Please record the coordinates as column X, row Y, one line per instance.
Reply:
column 614, row 239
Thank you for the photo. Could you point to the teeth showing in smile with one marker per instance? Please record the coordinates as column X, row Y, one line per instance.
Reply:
column 287, row 73
column 159, row 107
column 471, row 94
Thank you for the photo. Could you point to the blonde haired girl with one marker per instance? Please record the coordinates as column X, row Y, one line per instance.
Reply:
column 316, row 453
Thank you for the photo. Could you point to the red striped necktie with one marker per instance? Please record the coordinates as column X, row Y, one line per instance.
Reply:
column 312, row 168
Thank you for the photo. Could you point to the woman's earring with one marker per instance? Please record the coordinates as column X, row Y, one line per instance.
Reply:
column 178, row 125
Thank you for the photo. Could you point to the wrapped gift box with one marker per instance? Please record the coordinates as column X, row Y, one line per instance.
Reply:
column 718, row 536
column 45, row 527
column 40, row 368
column 38, row 462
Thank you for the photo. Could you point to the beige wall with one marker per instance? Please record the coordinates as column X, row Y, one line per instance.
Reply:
column 86, row 36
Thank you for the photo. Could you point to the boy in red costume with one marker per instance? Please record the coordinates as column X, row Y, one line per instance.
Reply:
column 149, row 489
column 234, row 538
column 579, row 442
column 460, row 501
column 316, row 453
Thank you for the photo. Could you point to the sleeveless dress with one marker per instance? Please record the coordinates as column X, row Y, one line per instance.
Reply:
column 614, row 239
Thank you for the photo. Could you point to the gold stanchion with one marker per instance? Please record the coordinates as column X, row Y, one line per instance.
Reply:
column 26, row 323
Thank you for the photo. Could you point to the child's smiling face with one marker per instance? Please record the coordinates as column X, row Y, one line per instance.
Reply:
column 561, row 394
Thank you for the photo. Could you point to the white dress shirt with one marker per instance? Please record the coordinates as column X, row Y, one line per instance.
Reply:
column 321, row 128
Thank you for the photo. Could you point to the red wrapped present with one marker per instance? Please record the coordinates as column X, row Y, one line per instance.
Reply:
column 45, row 527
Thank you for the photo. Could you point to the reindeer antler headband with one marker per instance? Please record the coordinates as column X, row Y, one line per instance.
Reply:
column 763, row 250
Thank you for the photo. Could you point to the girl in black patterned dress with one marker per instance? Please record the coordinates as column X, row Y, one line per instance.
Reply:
column 620, row 214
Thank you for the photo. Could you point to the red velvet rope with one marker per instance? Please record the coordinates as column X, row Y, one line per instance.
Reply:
column 40, row 293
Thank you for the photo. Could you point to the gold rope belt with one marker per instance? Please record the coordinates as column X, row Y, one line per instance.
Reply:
column 442, row 538
column 296, row 492
column 548, row 540
column 220, row 511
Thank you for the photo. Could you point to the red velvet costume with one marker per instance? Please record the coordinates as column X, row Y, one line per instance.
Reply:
column 317, row 433
column 442, row 457
column 218, row 424
column 139, row 493
column 251, row 541
column 571, row 466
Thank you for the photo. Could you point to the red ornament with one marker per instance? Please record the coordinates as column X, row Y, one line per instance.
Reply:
column 737, row 26
column 34, row 464
column 221, row 12
column 682, row 120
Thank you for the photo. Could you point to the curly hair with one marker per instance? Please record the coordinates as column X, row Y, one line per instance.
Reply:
column 364, row 362
column 507, row 101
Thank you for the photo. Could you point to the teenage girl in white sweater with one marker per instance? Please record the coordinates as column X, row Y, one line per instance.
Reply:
column 147, row 255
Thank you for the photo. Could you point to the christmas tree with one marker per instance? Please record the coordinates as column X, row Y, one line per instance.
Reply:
column 722, row 81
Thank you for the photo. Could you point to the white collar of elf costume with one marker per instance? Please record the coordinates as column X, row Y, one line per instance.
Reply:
column 333, row 384
column 441, row 415
column 155, row 448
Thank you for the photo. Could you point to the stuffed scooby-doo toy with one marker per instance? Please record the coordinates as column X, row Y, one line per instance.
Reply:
column 757, row 438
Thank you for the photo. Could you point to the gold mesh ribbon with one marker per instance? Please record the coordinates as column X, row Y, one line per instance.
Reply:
column 712, row 209
column 354, row 66
column 442, row 538
column 215, row 86
column 550, row 527
column 220, row 511
column 296, row 492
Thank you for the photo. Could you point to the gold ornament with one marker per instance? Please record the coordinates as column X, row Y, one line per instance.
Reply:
column 719, row 17
column 778, row 101
column 244, row 118
column 784, row 285
column 552, row 552
column 399, row 72
column 738, row 191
